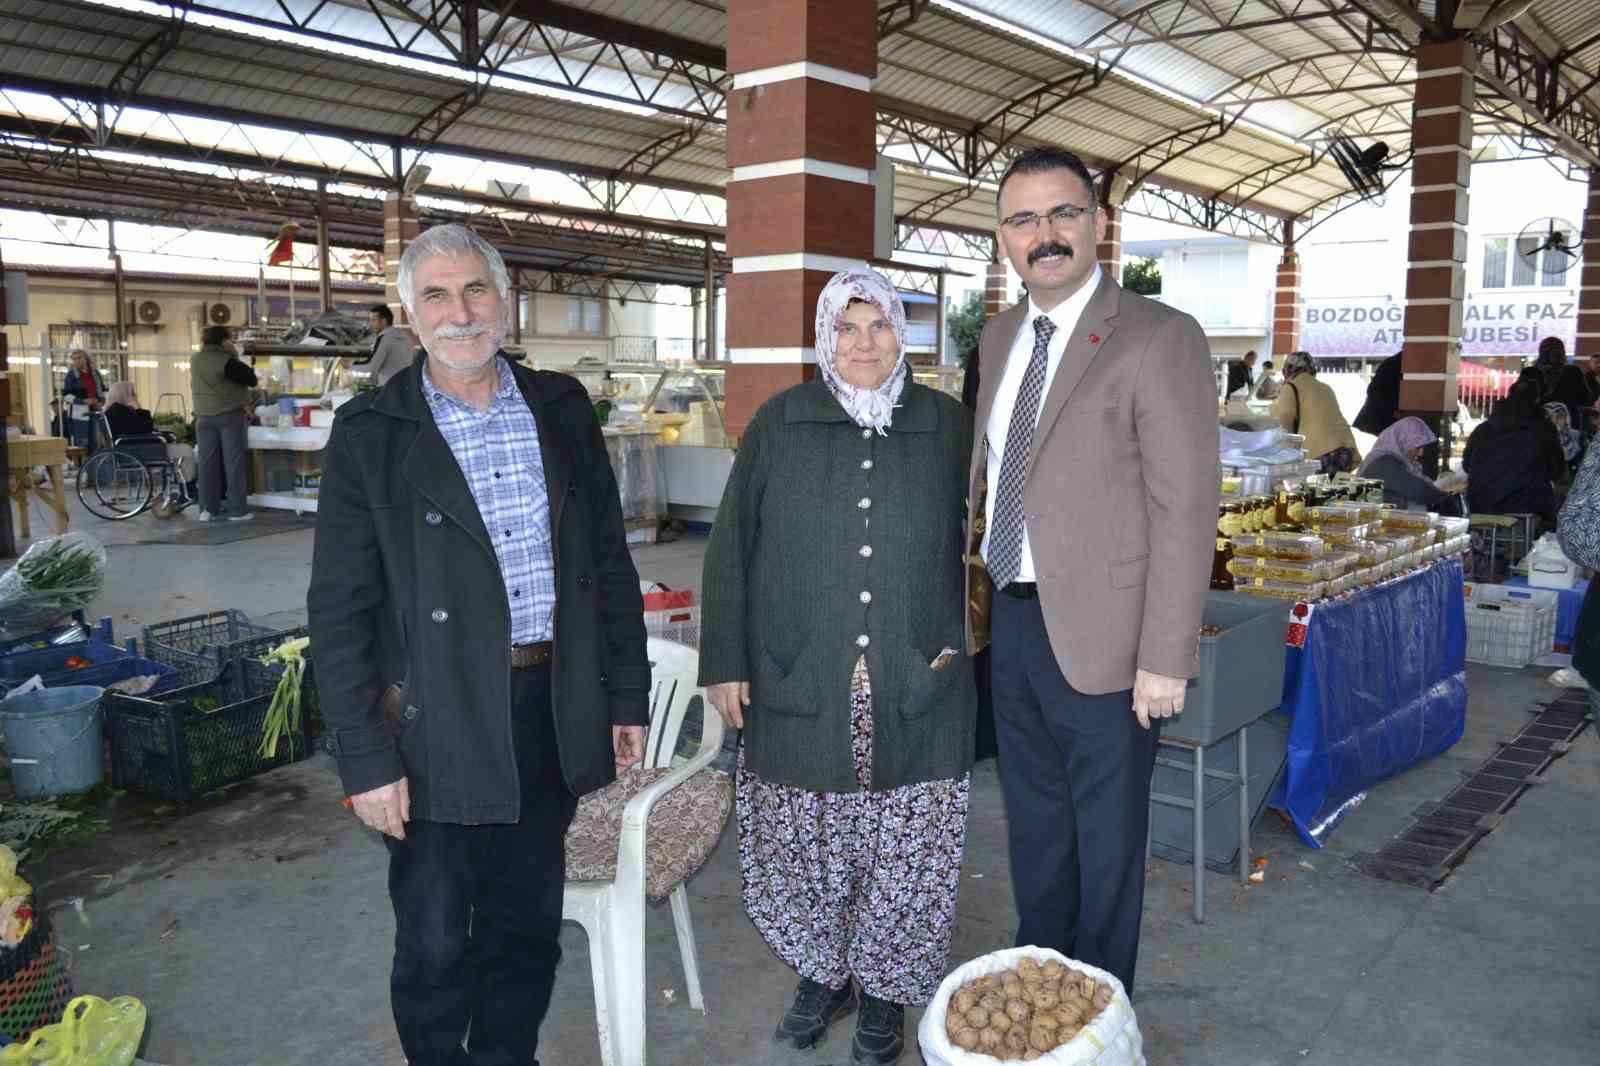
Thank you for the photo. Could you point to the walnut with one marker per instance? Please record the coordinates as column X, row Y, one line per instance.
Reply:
column 1054, row 970
column 1102, row 997
column 1018, row 1010
column 1027, row 968
column 978, row 1017
column 999, row 1021
column 1041, row 1039
column 991, row 1039
column 964, row 999
column 1045, row 998
column 967, row 1039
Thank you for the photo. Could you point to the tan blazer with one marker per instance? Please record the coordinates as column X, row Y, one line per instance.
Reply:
column 1122, row 488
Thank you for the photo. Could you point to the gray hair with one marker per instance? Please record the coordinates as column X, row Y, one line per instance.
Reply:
column 454, row 241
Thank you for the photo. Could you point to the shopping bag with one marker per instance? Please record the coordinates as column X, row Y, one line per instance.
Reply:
column 93, row 1032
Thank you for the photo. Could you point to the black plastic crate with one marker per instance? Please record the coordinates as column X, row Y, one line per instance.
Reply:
column 171, row 748
column 255, row 647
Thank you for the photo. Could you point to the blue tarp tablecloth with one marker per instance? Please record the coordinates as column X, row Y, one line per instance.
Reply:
column 1568, row 607
column 1378, row 685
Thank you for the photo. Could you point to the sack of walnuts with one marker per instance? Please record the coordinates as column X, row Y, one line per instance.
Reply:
column 1030, row 1005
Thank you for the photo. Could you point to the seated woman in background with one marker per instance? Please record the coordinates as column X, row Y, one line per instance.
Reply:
column 1396, row 461
column 1514, row 458
column 126, row 418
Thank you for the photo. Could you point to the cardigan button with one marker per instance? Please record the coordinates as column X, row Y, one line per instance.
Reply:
column 866, row 464
column 864, row 503
column 866, row 597
column 863, row 640
column 866, row 551
column 440, row 615
column 433, row 518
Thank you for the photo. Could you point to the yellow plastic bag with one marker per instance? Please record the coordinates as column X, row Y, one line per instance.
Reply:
column 93, row 1032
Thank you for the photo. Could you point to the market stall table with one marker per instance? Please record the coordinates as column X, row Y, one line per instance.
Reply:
column 1375, row 684
column 281, row 461
column 23, row 453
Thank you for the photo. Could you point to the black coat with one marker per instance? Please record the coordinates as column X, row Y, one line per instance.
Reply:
column 1512, row 464
column 405, row 587
column 1382, row 405
column 1239, row 377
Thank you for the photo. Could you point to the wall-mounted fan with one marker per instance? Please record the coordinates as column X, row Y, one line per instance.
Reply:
column 1556, row 236
column 1363, row 167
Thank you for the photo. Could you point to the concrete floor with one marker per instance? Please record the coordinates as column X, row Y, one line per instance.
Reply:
column 256, row 927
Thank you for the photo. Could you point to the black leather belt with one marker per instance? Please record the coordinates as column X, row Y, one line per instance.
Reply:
column 1022, row 590
column 525, row 655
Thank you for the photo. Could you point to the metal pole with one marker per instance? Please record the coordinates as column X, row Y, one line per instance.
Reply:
column 325, row 276
column 516, row 305
column 694, row 323
column 8, row 540
column 711, row 308
column 939, row 344
column 121, row 292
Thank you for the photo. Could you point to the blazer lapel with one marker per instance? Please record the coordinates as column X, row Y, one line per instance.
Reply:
column 1094, row 329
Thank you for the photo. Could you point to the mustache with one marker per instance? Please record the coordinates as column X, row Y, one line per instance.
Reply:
column 457, row 333
column 1050, row 248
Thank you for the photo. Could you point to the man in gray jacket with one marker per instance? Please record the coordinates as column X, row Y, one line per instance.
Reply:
column 220, row 385
column 393, row 348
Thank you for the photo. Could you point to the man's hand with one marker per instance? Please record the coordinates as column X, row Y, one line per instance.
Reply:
column 1156, row 696
column 730, row 698
column 386, row 808
column 628, row 742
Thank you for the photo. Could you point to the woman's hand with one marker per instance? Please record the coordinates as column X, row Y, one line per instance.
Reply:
column 730, row 698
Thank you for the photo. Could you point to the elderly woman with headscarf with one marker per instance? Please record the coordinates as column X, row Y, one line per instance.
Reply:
column 1396, row 461
column 831, row 635
column 127, row 418
column 1309, row 407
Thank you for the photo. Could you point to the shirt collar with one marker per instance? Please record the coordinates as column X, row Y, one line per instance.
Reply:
column 435, row 395
column 1065, row 314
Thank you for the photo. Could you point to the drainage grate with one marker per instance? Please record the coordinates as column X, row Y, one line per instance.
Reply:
column 1427, row 851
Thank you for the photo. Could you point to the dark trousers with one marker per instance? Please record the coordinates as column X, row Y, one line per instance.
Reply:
column 478, row 911
column 1075, row 771
column 220, row 445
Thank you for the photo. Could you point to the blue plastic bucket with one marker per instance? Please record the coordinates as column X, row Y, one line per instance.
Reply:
column 54, row 738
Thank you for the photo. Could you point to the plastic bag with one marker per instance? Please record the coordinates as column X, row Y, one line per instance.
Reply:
column 93, row 1032
column 1112, row 1039
column 54, row 577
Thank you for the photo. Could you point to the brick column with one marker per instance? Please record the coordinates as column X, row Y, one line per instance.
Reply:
column 996, row 290
column 1441, row 132
column 1589, row 295
column 1286, row 307
column 400, row 228
column 1109, row 251
column 802, row 148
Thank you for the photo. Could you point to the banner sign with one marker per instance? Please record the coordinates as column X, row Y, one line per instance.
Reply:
column 1511, row 323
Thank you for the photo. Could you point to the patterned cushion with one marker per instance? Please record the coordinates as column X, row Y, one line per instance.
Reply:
column 684, row 827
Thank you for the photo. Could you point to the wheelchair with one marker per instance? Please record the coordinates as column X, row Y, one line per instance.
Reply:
column 131, row 474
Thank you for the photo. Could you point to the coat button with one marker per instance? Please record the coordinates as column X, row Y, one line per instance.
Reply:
column 866, row 597
column 863, row 640
column 585, row 580
column 440, row 615
column 866, row 551
column 572, row 490
column 864, row 503
column 866, row 464
column 410, row 713
column 433, row 518
column 866, row 434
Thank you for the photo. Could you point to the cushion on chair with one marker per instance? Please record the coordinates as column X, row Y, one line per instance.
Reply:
column 684, row 827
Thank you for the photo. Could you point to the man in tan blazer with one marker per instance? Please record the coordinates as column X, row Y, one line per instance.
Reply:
column 1093, row 502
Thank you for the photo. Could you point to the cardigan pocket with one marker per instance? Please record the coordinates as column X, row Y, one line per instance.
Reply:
column 925, row 687
column 794, row 691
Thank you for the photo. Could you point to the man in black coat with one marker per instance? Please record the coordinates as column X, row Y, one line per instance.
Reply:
column 1241, row 375
column 480, row 648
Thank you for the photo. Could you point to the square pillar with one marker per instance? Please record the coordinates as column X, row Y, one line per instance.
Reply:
column 1441, row 121
column 1588, row 341
column 996, row 290
column 1109, row 251
column 400, row 228
column 1286, row 307
column 802, row 147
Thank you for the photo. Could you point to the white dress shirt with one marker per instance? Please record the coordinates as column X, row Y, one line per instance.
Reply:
column 1065, row 316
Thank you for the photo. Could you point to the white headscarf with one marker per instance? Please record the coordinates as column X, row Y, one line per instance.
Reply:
column 870, row 408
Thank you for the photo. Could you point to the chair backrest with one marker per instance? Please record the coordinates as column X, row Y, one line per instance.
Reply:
column 674, row 669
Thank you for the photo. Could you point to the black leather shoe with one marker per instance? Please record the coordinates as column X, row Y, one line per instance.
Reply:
column 813, row 1010
column 880, row 1032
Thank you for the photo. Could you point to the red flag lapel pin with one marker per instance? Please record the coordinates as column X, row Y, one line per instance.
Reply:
column 1094, row 338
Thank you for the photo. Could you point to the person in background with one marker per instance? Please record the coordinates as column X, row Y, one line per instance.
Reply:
column 1396, row 461
column 1571, row 442
column 481, row 653
column 1309, row 407
column 1513, row 458
column 1578, row 530
column 221, row 384
column 87, row 387
column 1562, row 382
column 1383, row 398
column 1241, row 375
column 831, row 636
column 1271, row 383
column 126, row 418
column 392, row 347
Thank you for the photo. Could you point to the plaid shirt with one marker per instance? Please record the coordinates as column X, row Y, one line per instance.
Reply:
column 498, row 453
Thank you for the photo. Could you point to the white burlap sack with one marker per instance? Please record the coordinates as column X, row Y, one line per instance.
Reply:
column 1112, row 1039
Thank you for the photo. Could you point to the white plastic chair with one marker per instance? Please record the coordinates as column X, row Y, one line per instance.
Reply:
column 612, row 912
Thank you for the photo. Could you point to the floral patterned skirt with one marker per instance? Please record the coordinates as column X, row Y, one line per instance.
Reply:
column 860, row 884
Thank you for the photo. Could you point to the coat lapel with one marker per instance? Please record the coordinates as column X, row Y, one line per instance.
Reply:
column 1094, row 329
column 552, row 451
column 432, row 470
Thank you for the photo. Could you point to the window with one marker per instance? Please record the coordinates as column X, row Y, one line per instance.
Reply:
column 1494, row 262
column 585, row 314
column 1553, row 270
column 1522, row 272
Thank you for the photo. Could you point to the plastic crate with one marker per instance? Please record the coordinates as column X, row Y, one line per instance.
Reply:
column 75, row 633
column 1509, row 629
column 1241, row 668
column 671, row 614
column 17, row 668
column 171, row 748
column 209, row 635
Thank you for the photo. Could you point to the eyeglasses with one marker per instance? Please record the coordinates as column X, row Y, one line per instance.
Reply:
column 1028, row 222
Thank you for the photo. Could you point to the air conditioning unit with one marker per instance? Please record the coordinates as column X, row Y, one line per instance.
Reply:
column 218, row 314
column 144, row 312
